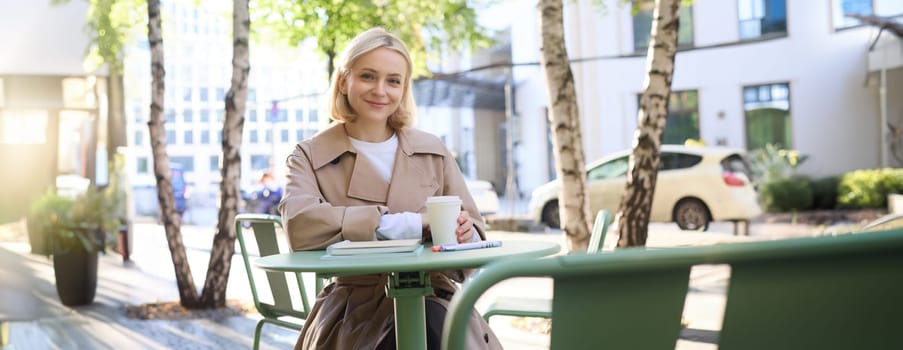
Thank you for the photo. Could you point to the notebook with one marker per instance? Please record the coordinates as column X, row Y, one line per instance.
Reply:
column 390, row 248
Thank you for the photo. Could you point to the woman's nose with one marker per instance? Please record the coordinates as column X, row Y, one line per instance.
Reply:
column 380, row 88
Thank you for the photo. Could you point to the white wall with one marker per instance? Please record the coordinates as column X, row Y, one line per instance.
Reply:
column 53, row 37
column 834, row 113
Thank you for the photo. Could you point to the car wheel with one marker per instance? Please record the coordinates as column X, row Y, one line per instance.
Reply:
column 692, row 214
column 550, row 215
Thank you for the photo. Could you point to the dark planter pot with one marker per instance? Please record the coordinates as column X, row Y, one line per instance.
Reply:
column 75, row 270
column 37, row 238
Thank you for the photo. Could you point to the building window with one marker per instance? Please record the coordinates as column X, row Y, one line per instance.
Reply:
column 767, row 111
column 220, row 94
column 23, row 127
column 188, row 136
column 205, row 116
column 762, row 18
column 642, row 25
column 313, row 115
column 205, row 137
column 683, row 117
column 79, row 92
column 268, row 136
column 260, row 162
column 170, row 137
column 205, row 94
column 252, row 115
column 252, row 136
column 170, row 116
column 139, row 138
column 187, row 95
column 299, row 116
column 299, row 135
column 214, row 163
column 187, row 163
column 840, row 9
column 141, row 165
column 283, row 135
column 139, row 115
column 252, row 95
column 187, row 116
column 220, row 115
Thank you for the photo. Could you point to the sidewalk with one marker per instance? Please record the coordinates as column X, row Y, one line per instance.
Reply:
column 38, row 321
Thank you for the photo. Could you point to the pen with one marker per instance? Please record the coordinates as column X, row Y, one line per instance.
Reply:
column 466, row 246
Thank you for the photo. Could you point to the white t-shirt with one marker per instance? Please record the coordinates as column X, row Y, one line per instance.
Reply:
column 404, row 225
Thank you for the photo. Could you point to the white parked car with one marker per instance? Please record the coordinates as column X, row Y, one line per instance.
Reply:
column 695, row 186
column 484, row 195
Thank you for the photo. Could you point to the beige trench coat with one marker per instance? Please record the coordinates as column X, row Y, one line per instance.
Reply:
column 332, row 195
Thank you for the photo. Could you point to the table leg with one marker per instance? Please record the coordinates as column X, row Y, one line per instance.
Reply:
column 409, row 289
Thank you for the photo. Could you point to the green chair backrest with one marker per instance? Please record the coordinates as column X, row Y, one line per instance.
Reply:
column 264, row 230
column 600, row 229
column 830, row 292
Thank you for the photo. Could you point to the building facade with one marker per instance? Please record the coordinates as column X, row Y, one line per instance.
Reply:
column 799, row 74
column 53, row 112
column 283, row 107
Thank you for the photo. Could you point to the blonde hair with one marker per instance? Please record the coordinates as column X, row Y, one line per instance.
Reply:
column 363, row 43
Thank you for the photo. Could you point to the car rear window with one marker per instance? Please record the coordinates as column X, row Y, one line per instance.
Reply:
column 674, row 161
column 735, row 163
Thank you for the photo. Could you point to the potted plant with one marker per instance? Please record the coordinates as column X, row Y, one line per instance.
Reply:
column 77, row 238
column 43, row 215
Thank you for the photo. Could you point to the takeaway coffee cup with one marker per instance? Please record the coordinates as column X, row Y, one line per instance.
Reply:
column 443, row 214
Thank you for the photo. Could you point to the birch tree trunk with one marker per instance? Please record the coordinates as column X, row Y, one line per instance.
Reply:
column 214, row 294
column 171, row 220
column 636, row 204
column 565, row 123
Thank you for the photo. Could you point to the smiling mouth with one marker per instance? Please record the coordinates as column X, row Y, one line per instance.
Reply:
column 377, row 104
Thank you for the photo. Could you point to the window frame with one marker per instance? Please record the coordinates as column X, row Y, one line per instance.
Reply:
column 789, row 109
column 680, row 46
column 761, row 36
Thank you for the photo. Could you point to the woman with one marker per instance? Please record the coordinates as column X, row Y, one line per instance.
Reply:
column 367, row 177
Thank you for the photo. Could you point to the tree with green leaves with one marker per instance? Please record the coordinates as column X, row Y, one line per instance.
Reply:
column 636, row 204
column 429, row 28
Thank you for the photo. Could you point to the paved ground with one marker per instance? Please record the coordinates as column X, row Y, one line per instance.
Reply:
column 36, row 319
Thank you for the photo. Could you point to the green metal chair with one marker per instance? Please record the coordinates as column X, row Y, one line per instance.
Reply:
column 829, row 292
column 279, row 312
column 542, row 307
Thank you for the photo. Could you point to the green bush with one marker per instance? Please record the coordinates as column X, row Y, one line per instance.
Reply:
column 824, row 192
column 869, row 188
column 788, row 194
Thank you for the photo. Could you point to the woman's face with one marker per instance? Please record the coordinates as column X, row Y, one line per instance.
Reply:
column 375, row 84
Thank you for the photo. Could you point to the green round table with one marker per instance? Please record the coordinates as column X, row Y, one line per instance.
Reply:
column 408, row 275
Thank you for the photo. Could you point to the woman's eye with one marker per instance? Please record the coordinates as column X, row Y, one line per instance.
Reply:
column 367, row 76
column 395, row 81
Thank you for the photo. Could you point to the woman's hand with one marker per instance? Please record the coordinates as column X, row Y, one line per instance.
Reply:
column 464, row 232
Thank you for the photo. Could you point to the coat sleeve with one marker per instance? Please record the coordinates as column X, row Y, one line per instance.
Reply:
column 313, row 223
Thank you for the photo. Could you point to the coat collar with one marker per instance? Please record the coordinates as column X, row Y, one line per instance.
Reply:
column 333, row 142
column 410, row 177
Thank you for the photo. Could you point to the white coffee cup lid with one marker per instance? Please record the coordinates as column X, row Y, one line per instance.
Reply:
column 443, row 199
